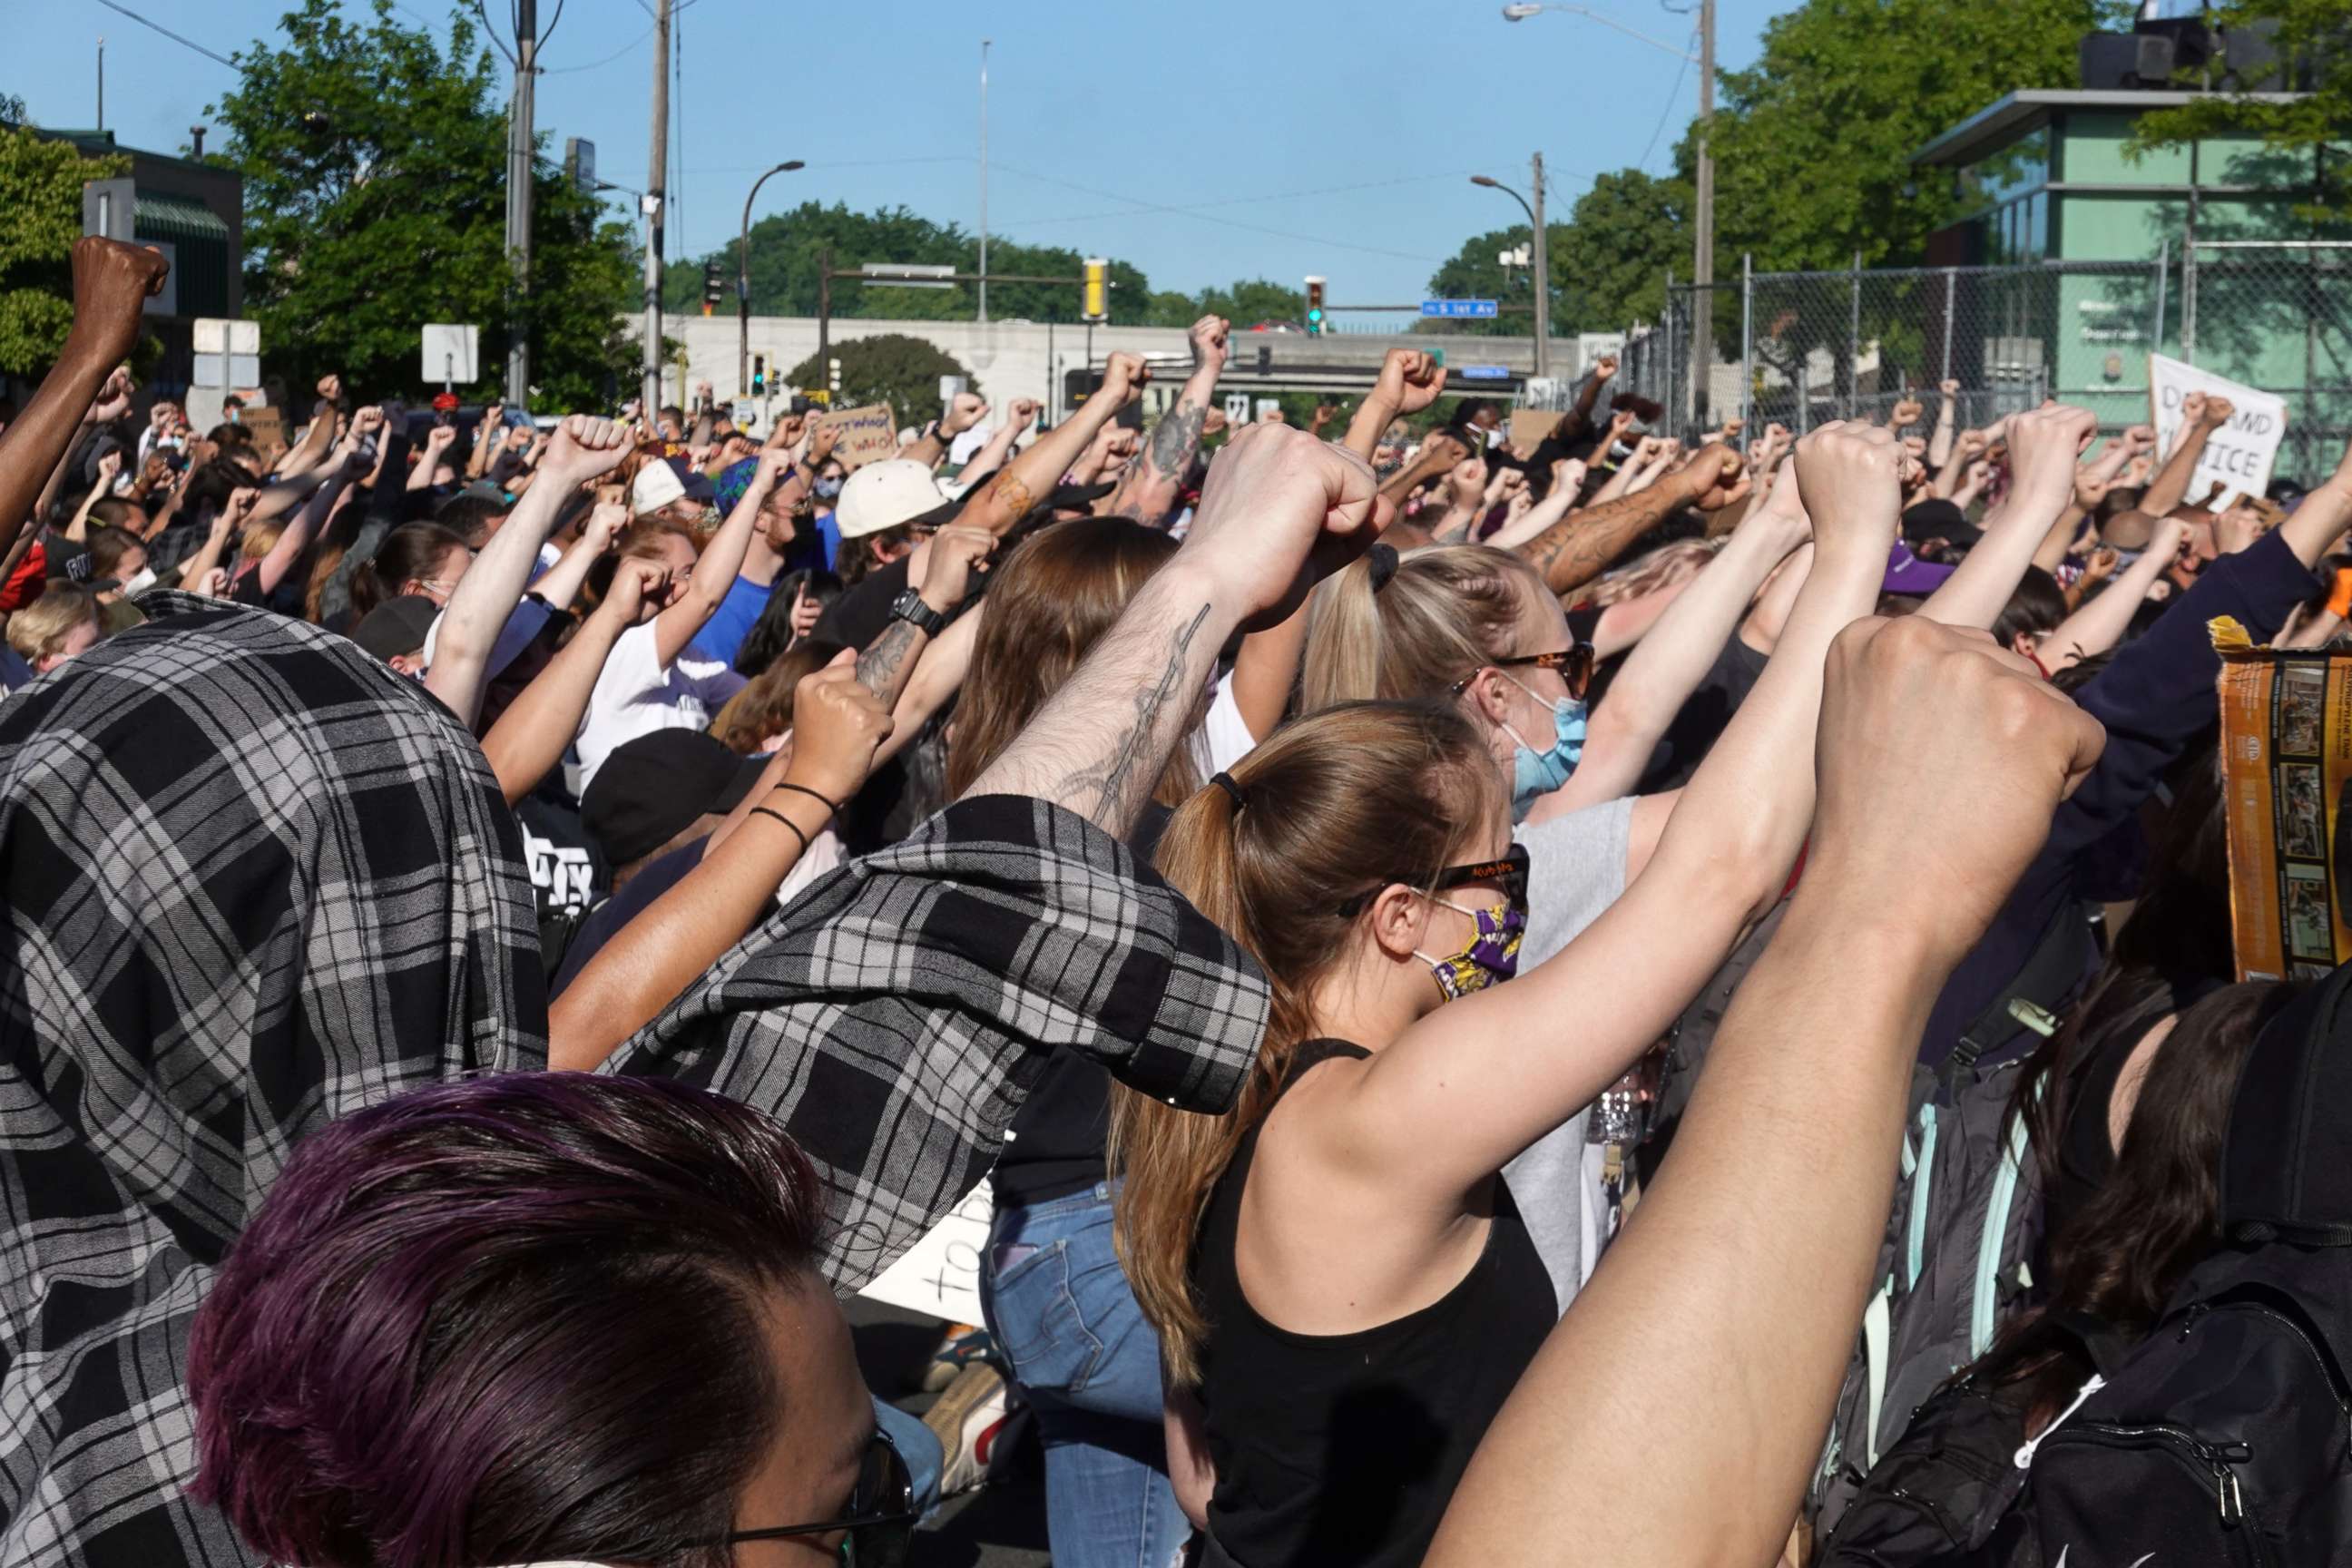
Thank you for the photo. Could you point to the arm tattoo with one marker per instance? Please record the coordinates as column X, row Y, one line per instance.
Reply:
column 1014, row 494
column 1176, row 438
column 887, row 661
column 1118, row 776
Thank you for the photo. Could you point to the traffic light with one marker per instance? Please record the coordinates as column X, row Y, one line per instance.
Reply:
column 1315, row 304
column 1097, row 294
column 714, row 287
column 759, row 375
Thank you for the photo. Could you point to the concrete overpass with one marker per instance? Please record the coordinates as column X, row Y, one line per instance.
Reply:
column 1024, row 359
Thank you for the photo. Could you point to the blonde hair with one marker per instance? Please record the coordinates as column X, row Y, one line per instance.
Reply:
column 1061, row 590
column 1446, row 610
column 39, row 630
column 1661, row 569
column 1341, row 803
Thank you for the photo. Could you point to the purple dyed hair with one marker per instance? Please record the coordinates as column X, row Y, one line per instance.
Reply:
column 501, row 1320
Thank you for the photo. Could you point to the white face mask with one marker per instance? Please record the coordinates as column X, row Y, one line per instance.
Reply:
column 140, row 582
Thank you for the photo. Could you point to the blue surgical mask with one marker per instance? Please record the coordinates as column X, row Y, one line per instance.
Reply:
column 828, row 489
column 1534, row 773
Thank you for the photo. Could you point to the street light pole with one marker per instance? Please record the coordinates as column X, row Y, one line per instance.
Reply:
column 743, row 280
column 523, row 148
column 984, row 181
column 1537, row 256
column 656, row 184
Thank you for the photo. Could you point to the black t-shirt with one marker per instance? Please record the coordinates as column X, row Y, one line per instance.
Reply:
column 858, row 616
column 1704, row 718
column 605, row 921
column 1054, row 1146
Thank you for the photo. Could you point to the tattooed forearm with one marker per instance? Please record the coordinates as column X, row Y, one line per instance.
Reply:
column 1579, row 546
column 1177, row 438
column 888, row 659
column 1119, row 781
column 1011, row 495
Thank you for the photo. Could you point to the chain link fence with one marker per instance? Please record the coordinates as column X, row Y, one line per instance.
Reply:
column 1799, row 348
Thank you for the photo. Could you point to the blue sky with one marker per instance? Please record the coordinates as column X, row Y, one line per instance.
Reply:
column 1332, row 137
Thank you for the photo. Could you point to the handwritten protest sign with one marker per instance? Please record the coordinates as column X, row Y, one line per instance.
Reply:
column 1530, row 426
column 940, row 1274
column 866, row 434
column 2240, row 455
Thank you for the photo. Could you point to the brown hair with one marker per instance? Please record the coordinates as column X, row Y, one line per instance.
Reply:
column 412, row 552
column 41, row 627
column 763, row 709
column 1342, row 802
column 1061, row 590
column 1446, row 610
column 855, row 560
column 1660, row 569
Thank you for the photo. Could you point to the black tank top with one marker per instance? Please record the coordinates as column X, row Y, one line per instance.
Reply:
column 1337, row 1450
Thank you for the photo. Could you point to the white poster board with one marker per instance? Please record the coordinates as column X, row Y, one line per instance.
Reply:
column 940, row 1273
column 2240, row 455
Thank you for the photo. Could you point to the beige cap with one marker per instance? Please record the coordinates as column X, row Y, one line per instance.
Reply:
column 885, row 495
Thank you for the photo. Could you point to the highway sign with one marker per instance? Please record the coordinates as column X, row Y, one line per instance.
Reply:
column 1484, row 373
column 1473, row 309
column 909, row 274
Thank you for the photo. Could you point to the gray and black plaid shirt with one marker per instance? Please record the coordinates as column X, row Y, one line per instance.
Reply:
column 254, row 880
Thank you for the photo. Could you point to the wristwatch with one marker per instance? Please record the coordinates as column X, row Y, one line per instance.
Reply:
column 910, row 606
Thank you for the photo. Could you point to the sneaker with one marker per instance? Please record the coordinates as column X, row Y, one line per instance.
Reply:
column 966, row 1419
column 962, row 1345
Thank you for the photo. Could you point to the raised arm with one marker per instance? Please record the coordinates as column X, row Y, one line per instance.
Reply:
column 836, row 725
column 530, row 736
column 1668, row 664
column 1409, row 382
column 1723, row 861
column 2101, row 623
column 112, row 282
column 1280, row 510
column 963, row 411
column 486, row 596
column 437, row 442
column 348, row 460
column 2199, row 416
column 1031, row 475
column 1149, row 491
column 1580, row 547
column 1939, row 440
column 1673, row 1417
column 1019, row 415
column 955, row 553
column 2042, row 450
column 721, row 560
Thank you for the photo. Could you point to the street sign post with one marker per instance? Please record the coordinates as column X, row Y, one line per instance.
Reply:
column 1459, row 310
column 449, row 352
column 909, row 274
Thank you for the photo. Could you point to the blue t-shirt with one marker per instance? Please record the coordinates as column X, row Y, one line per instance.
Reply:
column 722, row 635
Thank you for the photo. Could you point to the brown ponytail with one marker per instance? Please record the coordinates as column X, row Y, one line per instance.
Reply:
column 1340, row 802
column 1447, row 610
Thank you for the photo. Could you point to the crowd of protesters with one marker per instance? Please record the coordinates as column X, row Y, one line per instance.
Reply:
column 507, row 921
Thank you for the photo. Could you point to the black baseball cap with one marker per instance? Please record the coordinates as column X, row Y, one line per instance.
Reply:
column 652, row 788
column 396, row 626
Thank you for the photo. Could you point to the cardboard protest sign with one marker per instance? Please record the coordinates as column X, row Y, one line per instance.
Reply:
column 940, row 1273
column 2240, row 455
column 268, row 425
column 866, row 434
column 1530, row 426
column 2286, row 758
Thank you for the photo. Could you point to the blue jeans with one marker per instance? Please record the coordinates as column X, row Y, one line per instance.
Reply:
column 1067, row 1324
column 916, row 1446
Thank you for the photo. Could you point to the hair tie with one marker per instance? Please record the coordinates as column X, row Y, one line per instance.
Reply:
column 1226, row 782
column 1382, row 559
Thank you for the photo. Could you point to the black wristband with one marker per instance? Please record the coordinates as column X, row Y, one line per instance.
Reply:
column 832, row 806
column 779, row 816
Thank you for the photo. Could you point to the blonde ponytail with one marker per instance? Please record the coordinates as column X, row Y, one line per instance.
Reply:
column 1445, row 611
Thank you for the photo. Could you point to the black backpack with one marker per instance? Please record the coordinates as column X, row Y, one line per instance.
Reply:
column 2223, row 1436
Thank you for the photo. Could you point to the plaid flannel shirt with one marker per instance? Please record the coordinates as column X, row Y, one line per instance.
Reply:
column 314, row 928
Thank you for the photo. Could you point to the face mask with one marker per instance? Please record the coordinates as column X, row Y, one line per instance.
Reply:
column 828, row 489
column 1492, row 957
column 141, row 581
column 1536, row 773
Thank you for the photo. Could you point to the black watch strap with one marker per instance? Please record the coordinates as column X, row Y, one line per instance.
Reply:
column 910, row 606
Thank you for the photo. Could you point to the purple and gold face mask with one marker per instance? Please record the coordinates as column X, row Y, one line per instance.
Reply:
column 1492, row 957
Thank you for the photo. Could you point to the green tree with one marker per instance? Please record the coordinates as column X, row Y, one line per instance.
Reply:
column 2308, row 130
column 40, row 190
column 1814, row 144
column 891, row 368
column 1608, row 262
column 375, row 164
column 1246, row 303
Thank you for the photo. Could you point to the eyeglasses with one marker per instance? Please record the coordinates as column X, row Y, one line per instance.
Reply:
column 1510, row 869
column 1574, row 664
column 878, row 1522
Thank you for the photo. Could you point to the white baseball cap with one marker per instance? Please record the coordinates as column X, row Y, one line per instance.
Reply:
column 885, row 495
column 658, row 483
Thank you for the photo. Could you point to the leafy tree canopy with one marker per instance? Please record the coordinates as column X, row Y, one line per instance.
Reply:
column 891, row 368
column 40, row 190
column 374, row 165
column 2311, row 130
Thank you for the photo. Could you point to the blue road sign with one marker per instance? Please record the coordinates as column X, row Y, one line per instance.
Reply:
column 1475, row 309
column 1484, row 373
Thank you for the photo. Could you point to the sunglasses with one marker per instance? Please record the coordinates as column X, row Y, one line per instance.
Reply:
column 1509, row 868
column 1574, row 664
column 878, row 1522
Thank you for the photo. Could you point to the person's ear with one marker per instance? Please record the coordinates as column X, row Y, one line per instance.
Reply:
column 2025, row 644
column 1399, row 919
column 1490, row 692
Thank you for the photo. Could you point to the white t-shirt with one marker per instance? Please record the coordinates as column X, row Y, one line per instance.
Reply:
column 1223, row 737
column 635, row 696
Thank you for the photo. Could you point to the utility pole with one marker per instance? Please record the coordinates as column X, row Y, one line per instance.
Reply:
column 983, row 182
column 1703, row 263
column 657, row 179
column 102, row 97
column 1542, row 260
column 522, row 145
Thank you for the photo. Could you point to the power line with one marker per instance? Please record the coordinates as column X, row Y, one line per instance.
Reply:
column 167, row 32
column 1671, row 94
column 628, row 48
